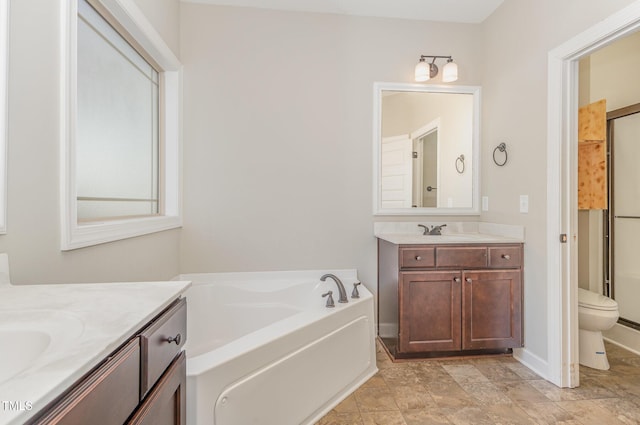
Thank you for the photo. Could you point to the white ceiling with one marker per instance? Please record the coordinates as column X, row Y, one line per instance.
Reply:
column 469, row 11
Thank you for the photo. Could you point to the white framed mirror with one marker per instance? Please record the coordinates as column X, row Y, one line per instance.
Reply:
column 426, row 145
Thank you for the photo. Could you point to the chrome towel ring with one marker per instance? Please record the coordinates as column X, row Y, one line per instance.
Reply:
column 502, row 147
column 460, row 164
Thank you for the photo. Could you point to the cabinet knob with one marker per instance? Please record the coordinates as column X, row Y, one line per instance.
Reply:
column 418, row 258
column 457, row 279
column 468, row 280
column 175, row 339
column 506, row 256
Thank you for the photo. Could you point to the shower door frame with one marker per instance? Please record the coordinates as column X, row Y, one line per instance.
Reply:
column 609, row 228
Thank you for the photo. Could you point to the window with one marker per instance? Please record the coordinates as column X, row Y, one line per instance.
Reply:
column 117, row 124
column 120, row 153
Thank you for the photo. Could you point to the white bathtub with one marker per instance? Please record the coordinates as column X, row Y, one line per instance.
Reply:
column 263, row 349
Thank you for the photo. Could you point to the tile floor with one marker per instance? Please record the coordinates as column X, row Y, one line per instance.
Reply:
column 494, row 390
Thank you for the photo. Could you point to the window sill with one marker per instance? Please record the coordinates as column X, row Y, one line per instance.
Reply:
column 80, row 236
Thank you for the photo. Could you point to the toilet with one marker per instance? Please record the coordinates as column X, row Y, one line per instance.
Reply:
column 596, row 313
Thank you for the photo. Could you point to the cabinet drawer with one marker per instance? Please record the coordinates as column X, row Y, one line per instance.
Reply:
column 461, row 257
column 106, row 397
column 417, row 257
column 505, row 257
column 161, row 342
column 166, row 403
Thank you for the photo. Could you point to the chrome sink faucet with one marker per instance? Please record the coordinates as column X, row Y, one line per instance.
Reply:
column 435, row 230
column 343, row 292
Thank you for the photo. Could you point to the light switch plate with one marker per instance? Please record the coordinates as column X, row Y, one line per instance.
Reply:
column 524, row 203
column 485, row 203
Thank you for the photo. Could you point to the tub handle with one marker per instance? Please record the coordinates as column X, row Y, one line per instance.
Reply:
column 355, row 293
column 330, row 302
column 175, row 339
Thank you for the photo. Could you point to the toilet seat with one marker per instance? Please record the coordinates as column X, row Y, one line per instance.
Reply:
column 588, row 299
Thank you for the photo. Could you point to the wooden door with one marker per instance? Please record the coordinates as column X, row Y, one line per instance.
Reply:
column 396, row 176
column 592, row 156
column 491, row 309
column 429, row 311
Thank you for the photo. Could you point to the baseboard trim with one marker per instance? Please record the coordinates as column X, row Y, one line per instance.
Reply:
column 532, row 361
column 624, row 336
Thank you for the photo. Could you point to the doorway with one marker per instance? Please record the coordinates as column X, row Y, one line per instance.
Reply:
column 562, row 222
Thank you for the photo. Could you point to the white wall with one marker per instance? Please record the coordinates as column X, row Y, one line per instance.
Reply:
column 614, row 73
column 278, row 129
column 33, row 238
column 518, row 37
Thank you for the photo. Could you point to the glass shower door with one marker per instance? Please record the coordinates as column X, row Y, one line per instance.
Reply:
column 626, row 216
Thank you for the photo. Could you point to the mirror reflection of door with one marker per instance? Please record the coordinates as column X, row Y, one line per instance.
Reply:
column 425, row 169
column 395, row 172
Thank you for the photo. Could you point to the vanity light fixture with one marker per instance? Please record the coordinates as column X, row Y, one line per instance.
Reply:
column 426, row 70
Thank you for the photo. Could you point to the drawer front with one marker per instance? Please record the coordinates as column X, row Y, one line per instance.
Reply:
column 166, row 403
column 461, row 256
column 106, row 397
column 417, row 257
column 161, row 342
column 505, row 257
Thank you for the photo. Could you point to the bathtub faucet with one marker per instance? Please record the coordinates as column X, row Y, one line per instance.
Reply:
column 341, row 290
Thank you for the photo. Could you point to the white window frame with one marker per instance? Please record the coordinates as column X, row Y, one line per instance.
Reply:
column 4, row 109
column 130, row 19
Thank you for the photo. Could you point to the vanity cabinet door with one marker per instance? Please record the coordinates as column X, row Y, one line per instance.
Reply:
column 106, row 397
column 491, row 309
column 166, row 402
column 429, row 311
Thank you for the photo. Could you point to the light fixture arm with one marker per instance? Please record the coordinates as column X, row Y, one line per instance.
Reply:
column 423, row 57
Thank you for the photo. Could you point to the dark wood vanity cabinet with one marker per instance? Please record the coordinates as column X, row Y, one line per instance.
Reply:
column 452, row 298
column 142, row 383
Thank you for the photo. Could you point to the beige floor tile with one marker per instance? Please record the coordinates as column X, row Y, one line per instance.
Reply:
column 375, row 399
column 425, row 417
column 486, row 393
column 383, row 418
column 375, row 381
column 626, row 411
column 521, row 391
column 412, row 397
column 508, row 414
column 555, row 393
column 463, row 374
column 548, row 413
column 469, row 416
column 334, row 418
column 400, row 376
column 491, row 390
column 450, row 395
column 348, row 405
column 587, row 412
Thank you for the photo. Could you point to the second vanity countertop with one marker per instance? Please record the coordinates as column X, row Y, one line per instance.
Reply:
column 446, row 238
column 408, row 233
column 84, row 324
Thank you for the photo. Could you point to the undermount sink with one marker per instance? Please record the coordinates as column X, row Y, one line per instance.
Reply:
column 28, row 335
column 19, row 350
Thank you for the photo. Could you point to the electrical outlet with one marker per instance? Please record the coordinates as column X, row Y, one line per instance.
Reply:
column 485, row 203
column 524, row 203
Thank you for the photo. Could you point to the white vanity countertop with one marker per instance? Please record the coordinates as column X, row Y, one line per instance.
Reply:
column 86, row 322
column 446, row 238
column 409, row 233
